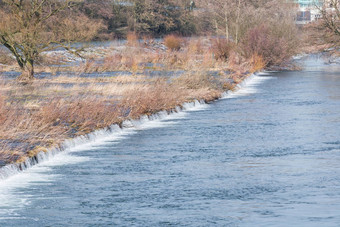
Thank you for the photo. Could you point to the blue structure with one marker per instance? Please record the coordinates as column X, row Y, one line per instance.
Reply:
column 308, row 3
column 308, row 10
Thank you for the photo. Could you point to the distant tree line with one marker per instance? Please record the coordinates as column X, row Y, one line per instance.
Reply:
column 147, row 17
column 264, row 28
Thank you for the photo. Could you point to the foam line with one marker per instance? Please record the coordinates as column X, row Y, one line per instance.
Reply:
column 248, row 86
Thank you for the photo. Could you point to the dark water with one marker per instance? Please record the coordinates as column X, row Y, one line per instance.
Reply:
column 267, row 156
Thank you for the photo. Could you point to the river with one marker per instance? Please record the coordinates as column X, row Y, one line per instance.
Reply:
column 268, row 155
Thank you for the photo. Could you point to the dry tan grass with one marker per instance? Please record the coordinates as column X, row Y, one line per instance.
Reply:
column 132, row 39
column 134, row 57
column 46, row 112
column 193, row 53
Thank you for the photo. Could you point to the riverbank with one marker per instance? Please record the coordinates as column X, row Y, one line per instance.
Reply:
column 80, row 118
column 118, row 83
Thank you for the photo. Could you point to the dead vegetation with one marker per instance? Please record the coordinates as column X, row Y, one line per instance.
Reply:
column 174, row 53
column 44, row 113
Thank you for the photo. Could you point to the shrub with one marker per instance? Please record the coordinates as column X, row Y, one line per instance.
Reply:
column 262, row 41
column 221, row 48
column 173, row 42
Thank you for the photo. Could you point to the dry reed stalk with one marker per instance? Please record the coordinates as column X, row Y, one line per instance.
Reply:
column 132, row 39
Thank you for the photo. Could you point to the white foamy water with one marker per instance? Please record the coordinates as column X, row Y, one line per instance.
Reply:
column 249, row 86
column 12, row 196
column 13, row 180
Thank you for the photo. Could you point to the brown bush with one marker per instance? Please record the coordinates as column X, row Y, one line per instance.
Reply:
column 221, row 48
column 262, row 41
column 173, row 42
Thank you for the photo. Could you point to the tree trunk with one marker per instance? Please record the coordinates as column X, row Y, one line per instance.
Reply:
column 226, row 27
column 216, row 26
column 226, row 24
column 238, row 21
column 27, row 72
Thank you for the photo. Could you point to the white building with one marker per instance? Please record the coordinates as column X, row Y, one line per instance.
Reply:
column 308, row 10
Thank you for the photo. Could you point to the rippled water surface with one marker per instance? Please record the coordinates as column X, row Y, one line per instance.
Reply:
column 268, row 155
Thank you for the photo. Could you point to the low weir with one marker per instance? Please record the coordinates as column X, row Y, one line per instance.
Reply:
column 114, row 131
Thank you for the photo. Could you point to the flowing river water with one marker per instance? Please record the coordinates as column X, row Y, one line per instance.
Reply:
column 268, row 155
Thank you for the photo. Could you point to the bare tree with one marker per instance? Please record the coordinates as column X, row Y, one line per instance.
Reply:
column 229, row 16
column 326, row 29
column 30, row 27
column 222, row 14
column 330, row 16
column 233, row 18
